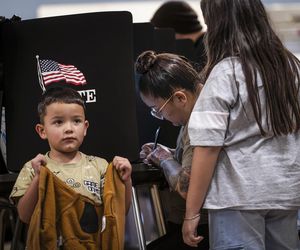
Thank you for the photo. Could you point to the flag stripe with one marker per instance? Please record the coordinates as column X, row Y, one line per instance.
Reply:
column 76, row 75
column 54, row 72
column 53, row 77
column 76, row 82
column 51, row 73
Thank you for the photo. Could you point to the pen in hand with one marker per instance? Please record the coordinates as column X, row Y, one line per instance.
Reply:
column 156, row 138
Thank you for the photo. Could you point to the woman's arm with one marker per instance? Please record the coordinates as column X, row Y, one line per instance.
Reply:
column 176, row 176
column 203, row 166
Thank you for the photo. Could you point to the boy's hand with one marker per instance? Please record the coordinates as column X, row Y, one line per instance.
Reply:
column 37, row 162
column 124, row 168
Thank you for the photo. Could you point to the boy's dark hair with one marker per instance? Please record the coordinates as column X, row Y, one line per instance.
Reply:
column 58, row 95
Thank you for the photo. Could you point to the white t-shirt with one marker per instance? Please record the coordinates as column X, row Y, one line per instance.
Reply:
column 252, row 172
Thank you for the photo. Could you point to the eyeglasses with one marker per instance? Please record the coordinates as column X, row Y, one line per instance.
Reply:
column 157, row 113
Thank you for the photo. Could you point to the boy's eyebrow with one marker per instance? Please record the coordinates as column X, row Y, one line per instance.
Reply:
column 56, row 117
column 62, row 116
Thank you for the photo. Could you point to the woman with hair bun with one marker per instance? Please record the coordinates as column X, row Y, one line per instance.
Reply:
column 169, row 85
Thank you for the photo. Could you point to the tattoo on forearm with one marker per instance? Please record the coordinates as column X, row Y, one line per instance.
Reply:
column 177, row 177
column 172, row 176
column 184, row 183
column 184, row 179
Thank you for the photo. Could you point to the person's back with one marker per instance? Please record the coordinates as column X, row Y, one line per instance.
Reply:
column 247, row 160
column 246, row 124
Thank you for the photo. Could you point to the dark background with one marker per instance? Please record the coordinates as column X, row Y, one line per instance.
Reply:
column 100, row 46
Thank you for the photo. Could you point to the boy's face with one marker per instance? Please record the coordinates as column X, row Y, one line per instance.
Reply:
column 64, row 127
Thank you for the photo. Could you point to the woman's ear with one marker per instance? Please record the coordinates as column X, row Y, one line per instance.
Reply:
column 180, row 97
column 39, row 128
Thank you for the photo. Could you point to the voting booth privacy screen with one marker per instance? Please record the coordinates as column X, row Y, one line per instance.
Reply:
column 146, row 37
column 99, row 47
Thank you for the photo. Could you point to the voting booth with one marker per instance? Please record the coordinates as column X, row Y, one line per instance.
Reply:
column 101, row 48
column 93, row 44
column 146, row 37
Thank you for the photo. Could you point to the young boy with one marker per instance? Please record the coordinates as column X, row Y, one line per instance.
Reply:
column 63, row 124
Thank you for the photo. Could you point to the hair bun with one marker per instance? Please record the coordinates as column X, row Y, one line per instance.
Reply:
column 145, row 61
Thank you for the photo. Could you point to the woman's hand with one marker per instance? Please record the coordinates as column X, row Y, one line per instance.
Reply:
column 189, row 232
column 159, row 154
column 146, row 150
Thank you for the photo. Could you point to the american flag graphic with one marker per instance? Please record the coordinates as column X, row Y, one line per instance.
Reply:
column 54, row 72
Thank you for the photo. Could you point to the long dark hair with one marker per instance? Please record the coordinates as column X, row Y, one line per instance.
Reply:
column 241, row 28
column 160, row 74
